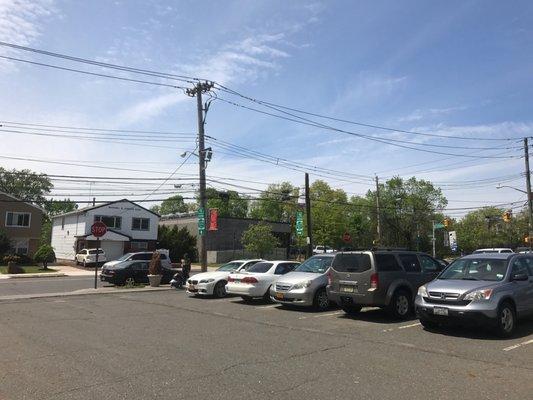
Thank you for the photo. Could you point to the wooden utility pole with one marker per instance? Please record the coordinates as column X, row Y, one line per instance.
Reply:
column 378, row 212
column 528, row 188
column 201, row 87
column 308, row 215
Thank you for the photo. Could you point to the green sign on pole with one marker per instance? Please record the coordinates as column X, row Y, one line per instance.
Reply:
column 201, row 221
column 439, row 226
column 299, row 223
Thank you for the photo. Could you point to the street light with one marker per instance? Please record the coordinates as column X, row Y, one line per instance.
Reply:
column 511, row 187
column 530, row 211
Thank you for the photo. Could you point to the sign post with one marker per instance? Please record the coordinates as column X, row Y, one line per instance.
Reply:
column 98, row 229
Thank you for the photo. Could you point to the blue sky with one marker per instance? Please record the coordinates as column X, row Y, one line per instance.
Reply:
column 460, row 68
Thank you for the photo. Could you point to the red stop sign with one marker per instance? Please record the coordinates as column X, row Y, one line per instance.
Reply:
column 346, row 238
column 98, row 229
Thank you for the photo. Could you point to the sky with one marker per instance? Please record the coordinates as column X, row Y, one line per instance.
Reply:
column 454, row 68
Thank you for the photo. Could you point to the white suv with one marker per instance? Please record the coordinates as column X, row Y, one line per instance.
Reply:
column 88, row 256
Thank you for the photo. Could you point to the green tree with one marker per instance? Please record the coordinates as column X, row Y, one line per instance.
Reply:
column 277, row 203
column 25, row 185
column 5, row 244
column 329, row 212
column 259, row 240
column 178, row 241
column 408, row 208
column 172, row 205
column 485, row 228
column 59, row 207
column 229, row 203
column 45, row 254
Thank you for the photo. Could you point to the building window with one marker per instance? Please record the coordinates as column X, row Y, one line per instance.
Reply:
column 21, row 246
column 18, row 219
column 140, row 224
column 112, row 222
column 137, row 246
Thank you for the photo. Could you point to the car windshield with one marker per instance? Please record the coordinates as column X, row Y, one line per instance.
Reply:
column 231, row 266
column 124, row 257
column 260, row 267
column 317, row 265
column 476, row 269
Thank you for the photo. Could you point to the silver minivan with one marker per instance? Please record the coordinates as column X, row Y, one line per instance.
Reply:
column 493, row 289
column 306, row 285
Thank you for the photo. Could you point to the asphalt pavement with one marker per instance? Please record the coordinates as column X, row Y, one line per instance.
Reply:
column 20, row 286
column 166, row 345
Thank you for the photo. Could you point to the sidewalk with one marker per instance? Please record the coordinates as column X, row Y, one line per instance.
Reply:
column 61, row 270
column 66, row 270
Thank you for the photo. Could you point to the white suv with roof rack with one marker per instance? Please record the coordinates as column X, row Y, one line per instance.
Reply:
column 88, row 257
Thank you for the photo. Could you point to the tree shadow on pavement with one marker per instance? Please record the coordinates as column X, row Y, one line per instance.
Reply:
column 377, row 315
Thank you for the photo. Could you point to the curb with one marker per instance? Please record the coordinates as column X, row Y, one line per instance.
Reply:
column 82, row 292
column 43, row 275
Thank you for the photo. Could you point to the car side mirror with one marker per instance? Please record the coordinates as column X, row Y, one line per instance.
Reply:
column 519, row 277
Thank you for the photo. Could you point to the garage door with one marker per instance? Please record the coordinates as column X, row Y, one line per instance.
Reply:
column 113, row 250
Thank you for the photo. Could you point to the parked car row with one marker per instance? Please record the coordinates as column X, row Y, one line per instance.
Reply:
column 495, row 289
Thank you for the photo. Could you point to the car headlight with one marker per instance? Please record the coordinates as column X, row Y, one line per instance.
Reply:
column 302, row 285
column 483, row 294
column 206, row 280
column 423, row 291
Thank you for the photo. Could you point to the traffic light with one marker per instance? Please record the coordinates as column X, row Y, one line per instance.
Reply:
column 526, row 239
column 507, row 216
column 447, row 222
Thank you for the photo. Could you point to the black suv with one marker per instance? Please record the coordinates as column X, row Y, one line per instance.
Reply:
column 379, row 278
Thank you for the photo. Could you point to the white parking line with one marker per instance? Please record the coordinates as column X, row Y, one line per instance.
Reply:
column 322, row 315
column 516, row 346
column 402, row 327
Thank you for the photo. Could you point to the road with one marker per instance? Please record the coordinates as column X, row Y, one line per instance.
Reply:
column 166, row 345
column 19, row 286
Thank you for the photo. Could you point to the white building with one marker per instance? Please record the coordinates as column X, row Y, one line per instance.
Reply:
column 130, row 227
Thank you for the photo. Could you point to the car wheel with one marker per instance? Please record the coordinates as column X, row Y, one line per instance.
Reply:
column 426, row 323
column 321, row 300
column 266, row 296
column 352, row 310
column 247, row 299
column 130, row 281
column 400, row 305
column 506, row 320
column 220, row 289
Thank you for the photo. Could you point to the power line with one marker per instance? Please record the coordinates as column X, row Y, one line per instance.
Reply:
column 391, row 142
column 366, row 125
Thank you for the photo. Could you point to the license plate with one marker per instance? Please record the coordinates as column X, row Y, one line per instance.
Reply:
column 348, row 288
column 279, row 296
column 440, row 311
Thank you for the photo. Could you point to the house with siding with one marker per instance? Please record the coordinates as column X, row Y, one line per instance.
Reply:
column 130, row 227
column 22, row 222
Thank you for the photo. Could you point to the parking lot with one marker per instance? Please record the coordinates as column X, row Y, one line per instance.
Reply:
column 168, row 345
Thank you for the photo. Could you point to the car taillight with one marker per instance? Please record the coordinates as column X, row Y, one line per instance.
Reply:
column 230, row 279
column 248, row 279
column 374, row 281
column 330, row 278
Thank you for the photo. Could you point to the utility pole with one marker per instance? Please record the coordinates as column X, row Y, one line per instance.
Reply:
column 309, row 222
column 528, row 188
column 433, row 238
column 378, row 211
column 201, row 87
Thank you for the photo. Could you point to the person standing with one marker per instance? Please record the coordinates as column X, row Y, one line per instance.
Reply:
column 185, row 267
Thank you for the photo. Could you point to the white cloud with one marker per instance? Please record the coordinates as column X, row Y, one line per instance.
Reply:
column 20, row 23
column 420, row 114
column 150, row 108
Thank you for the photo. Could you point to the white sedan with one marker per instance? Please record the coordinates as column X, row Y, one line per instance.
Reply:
column 214, row 283
column 256, row 281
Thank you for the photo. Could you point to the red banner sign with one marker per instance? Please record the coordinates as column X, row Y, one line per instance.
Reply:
column 213, row 219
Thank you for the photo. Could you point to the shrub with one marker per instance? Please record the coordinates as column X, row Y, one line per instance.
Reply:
column 45, row 254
